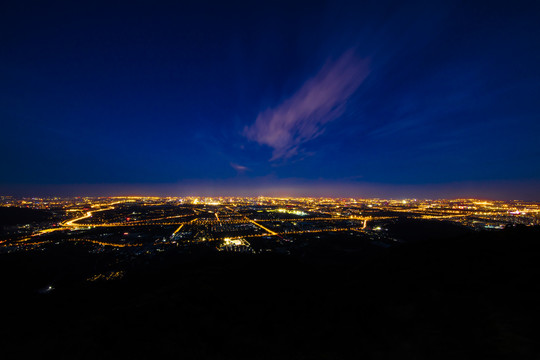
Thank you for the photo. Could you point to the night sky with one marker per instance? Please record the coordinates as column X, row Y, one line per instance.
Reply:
column 366, row 98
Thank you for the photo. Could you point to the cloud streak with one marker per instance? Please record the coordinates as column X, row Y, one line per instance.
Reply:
column 302, row 117
column 239, row 168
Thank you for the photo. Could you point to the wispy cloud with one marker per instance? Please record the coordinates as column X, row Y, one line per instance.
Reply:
column 302, row 117
column 240, row 168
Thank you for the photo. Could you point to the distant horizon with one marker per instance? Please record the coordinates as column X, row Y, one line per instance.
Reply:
column 495, row 190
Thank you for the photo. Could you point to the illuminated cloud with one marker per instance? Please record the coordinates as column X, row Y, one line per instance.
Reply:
column 301, row 117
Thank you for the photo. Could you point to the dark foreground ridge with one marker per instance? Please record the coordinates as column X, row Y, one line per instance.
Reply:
column 471, row 297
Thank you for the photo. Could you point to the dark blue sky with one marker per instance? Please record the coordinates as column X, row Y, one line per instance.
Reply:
column 425, row 99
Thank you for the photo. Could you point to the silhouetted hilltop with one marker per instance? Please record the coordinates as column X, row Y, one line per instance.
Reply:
column 471, row 297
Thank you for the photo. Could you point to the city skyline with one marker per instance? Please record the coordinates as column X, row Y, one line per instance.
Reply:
column 382, row 99
column 466, row 190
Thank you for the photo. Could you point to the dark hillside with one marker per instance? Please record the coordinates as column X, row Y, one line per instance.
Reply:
column 472, row 297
